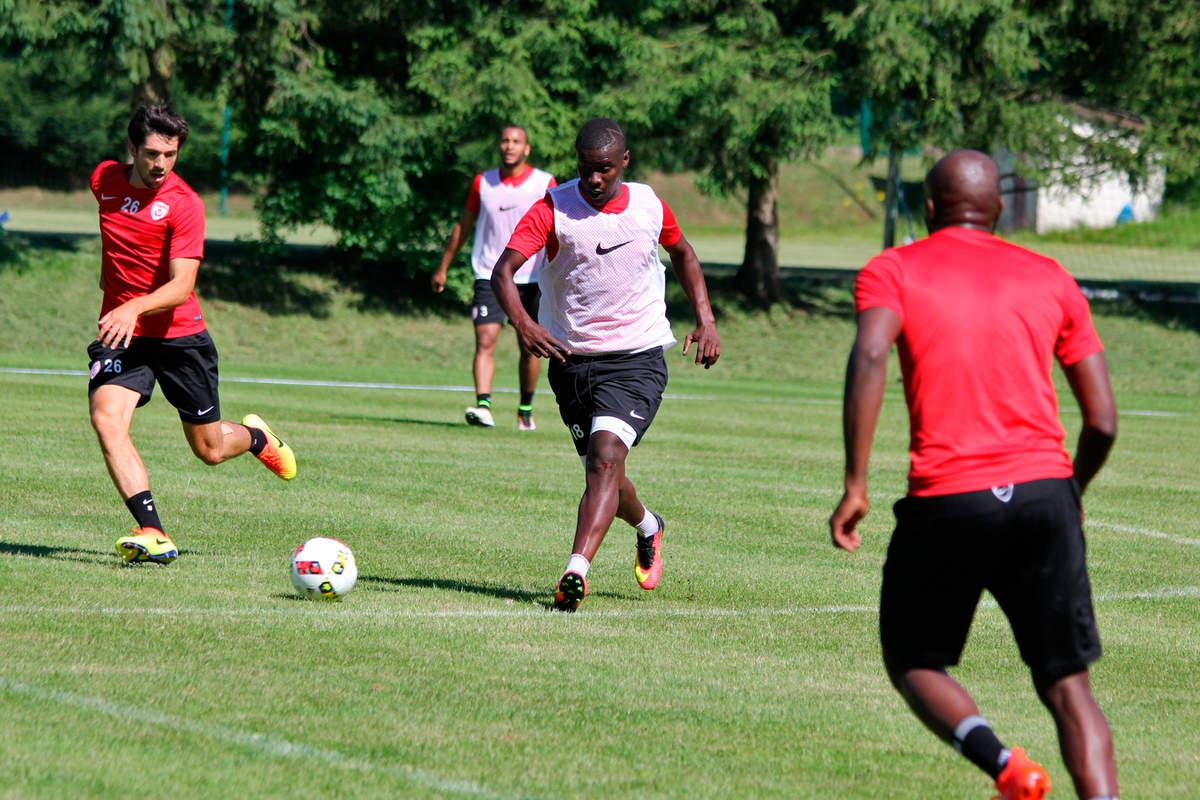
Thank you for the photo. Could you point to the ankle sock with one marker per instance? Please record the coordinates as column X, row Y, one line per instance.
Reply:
column 258, row 440
column 141, row 505
column 974, row 739
column 484, row 400
column 649, row 525
column 577, row 563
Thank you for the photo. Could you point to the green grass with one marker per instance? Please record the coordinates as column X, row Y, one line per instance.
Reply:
column 752, row 671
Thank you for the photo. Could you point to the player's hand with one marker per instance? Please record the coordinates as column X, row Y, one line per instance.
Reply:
column 438, row 281
column 849, row 512
column 116, row 327
column 708, row 345
column 537, row 340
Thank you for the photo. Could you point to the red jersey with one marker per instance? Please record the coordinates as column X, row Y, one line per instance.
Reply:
column 141, row 230
column 982, row 322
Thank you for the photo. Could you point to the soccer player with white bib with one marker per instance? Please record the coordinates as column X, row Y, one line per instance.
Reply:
column 602, row 323
column 496, row 202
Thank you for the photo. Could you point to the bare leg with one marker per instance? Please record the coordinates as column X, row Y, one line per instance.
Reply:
column 938, row 700
column 485, row 361
column 608, row 494
column 214, row 442
column 1083, row 735
column 528, row 367
column 111, row 409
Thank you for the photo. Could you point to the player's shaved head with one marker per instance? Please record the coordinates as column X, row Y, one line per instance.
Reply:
column 600, row 134
column 963, row 189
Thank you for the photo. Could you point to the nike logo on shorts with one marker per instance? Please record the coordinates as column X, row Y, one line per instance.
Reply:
column 204, row 411
column 636, row 415
column 601, row 250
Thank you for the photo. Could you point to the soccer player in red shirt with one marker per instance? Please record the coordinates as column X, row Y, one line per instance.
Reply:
column 993, row 497
column 604, row 327
column 496, row 202
column 151, row 328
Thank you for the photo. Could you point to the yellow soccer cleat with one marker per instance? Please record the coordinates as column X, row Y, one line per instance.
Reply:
column 276, row 456
column 147, row 544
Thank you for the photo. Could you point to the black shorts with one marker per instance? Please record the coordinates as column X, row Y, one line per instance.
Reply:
column 186, row 366
column 1029, row 552
column 486, row 310
column 628, row 386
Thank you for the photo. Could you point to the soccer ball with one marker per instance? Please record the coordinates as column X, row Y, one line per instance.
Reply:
column 323, row 569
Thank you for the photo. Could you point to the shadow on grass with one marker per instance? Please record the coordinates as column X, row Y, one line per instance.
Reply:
column 271, row 276
column 57, row 553
column 502, row 592
column 394, row 420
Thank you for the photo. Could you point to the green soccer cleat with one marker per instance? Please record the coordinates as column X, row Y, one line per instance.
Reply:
column 147, row 544
column 276, row 456
column 572, row 588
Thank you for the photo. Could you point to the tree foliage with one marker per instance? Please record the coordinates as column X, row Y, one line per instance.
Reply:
column 371, row 117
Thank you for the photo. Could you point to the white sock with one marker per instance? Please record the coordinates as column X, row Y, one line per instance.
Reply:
column 649, row 525
column 577, row 563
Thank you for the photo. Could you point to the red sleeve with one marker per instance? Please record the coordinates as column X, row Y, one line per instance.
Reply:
column 670, row 228
column 187, row 229
column 96, row 175
column 473, row 195
column 552, row 183
column 535, row 230
column 1078, row 338
column 878, row 285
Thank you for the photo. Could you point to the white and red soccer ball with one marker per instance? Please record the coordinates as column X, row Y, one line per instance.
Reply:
column 323, row 569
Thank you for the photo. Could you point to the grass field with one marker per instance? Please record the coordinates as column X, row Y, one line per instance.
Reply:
column 752, row 671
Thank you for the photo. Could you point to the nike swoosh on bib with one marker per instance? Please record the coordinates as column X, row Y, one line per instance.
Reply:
column 507, row 208
column 601, row 250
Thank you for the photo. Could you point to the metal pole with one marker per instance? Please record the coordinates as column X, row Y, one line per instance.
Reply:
column 225, row 125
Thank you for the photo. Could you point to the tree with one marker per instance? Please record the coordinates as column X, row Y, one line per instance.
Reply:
column 1016, row 76
column 750, row 90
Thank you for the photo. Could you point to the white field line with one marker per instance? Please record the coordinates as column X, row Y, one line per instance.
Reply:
column 271, row 745
column 414, row 387
column 1170, row 537
column 522, row 610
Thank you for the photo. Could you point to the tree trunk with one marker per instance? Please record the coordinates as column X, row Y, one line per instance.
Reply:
column 155, row 89
column 758, row 278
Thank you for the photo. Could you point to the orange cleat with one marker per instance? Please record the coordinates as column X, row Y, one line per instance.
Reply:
column 647, row 566
column 1022, row 779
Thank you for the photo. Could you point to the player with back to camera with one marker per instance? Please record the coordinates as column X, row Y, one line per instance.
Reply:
column 994, row 500
column 496, row 201
column 151, row 328
column 603, row 325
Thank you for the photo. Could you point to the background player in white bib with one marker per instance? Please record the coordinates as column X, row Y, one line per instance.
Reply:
column 496, row 202
column 603, row 325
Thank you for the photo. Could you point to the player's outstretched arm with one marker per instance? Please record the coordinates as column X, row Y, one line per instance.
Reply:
column 1090, row 385
column 691, row 278
column 866, row 375
column 534, row 337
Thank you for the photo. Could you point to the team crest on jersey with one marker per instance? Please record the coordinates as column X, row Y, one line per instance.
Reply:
column 158, row 210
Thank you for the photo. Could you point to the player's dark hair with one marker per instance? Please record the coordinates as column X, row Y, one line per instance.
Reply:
column 600, row 133
column 156, row 119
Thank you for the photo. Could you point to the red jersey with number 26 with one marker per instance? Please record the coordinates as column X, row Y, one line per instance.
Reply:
column 141, row 230
column 982, row 322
